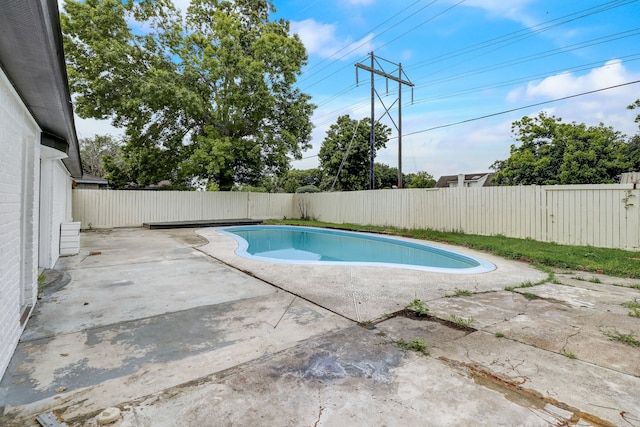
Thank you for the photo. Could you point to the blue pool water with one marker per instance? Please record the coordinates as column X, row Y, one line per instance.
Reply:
column 307, row 245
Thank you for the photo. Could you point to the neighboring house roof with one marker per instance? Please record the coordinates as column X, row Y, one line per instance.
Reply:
column 32, row 57
column 446, row 180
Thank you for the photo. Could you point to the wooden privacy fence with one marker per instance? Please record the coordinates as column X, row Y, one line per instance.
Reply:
column 596, row 215
column 112, row 208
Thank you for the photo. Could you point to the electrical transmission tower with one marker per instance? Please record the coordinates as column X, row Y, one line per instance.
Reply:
column 375, row 67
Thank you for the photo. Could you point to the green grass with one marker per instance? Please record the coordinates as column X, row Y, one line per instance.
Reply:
column 419, row 345
column 569, row 354
column 527, row 285
column 633, row 306
column 419, row 307
column 500, row 335
column 460, row 293
column 464, row 322
column 614, row 262
column 628, row 339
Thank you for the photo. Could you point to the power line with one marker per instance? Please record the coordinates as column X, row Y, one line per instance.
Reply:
column 378, row 35
column 558, row 72
column 537, row 104
column 530, row 31
column 423, row 22
column 521, row 108
column 544, row 54
column 513, row 37
column 537, row 29
column 627, row 58
column 362, row 36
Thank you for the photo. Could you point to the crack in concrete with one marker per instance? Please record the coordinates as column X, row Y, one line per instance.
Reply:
column 320, row 409
column 566, row 341
column 524, row 396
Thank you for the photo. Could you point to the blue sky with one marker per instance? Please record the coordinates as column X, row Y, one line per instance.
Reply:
column 466, row 59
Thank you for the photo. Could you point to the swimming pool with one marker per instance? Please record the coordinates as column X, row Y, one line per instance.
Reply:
column 308, row 245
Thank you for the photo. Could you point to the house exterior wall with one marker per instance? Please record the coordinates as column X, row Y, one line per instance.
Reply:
column 55, row 206
column 19, row 199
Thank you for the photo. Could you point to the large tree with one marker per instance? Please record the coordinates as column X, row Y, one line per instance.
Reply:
column 385, row 176
column 210, row 97
column 93, row 150
column 349, row 137
column 634, row 143
column 636, row 104
column 553, row 152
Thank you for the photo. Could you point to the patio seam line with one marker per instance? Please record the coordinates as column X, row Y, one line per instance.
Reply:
column 125, row 322
column 250, row 274
column 128, row 263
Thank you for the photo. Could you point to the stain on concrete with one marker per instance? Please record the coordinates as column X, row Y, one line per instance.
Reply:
column 131, row 344
column 187, row 237
column 118, row 284
column 304, row 315
column 354, row 353
column 52, row 281
column 325, row 367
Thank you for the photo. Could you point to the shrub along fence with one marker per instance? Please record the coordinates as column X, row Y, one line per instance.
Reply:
column 596, row 215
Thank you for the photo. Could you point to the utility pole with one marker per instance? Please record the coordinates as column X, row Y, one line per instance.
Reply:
column 372, row 134
column 372, row 138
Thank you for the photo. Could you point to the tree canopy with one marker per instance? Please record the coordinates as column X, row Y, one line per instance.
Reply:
column 553, row 152
column 94, row 149
column 295, row 179
column 207, row 98
column 350, row 135
column 420, row 179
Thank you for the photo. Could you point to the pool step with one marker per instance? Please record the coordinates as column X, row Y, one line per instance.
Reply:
column 201, row 223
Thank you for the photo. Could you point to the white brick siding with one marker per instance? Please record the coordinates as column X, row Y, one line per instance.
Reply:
column 55, row 197
column 20, row 220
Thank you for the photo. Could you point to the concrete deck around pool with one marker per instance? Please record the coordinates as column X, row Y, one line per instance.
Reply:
column 149, row 322
column 369, row 293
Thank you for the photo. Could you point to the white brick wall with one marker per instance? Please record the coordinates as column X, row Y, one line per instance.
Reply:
column 55, row 194
column 19, row 195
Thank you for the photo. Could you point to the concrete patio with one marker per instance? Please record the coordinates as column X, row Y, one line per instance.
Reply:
column 172, row 328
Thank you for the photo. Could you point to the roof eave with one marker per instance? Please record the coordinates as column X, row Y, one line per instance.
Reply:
column 39, row 73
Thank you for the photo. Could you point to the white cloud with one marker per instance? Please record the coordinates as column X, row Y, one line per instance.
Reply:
column 321, row 39
column 511, row 9
column 608, row 107
column 565, row 84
